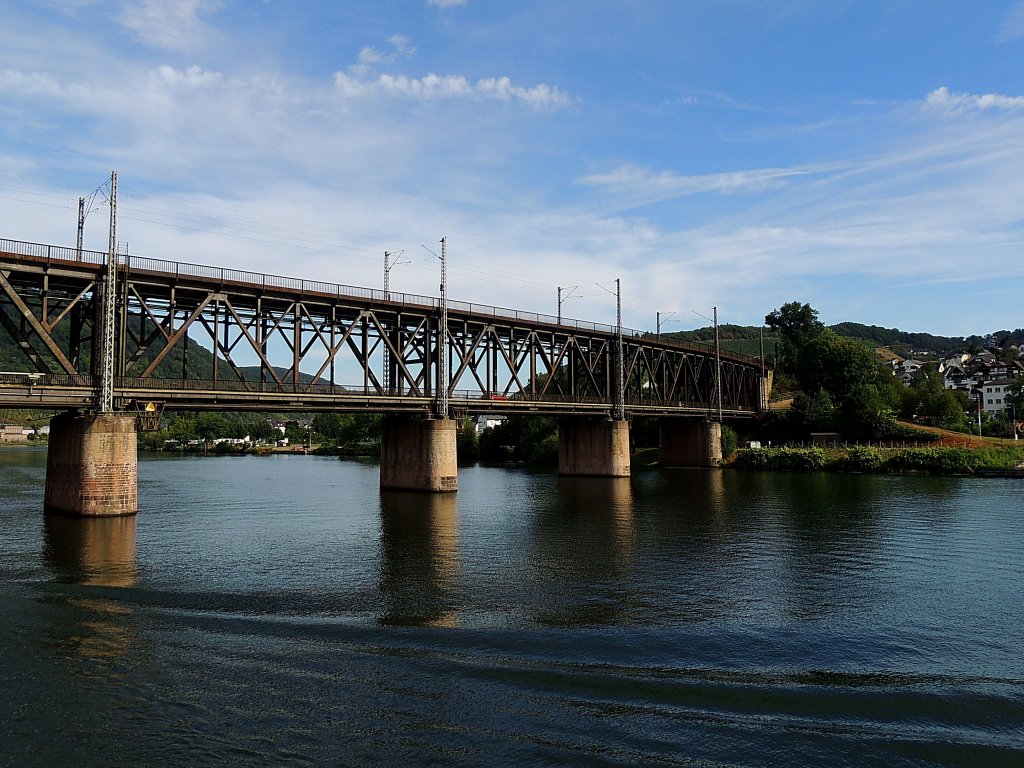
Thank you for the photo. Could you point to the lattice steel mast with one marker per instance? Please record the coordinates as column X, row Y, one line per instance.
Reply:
column 442, row 339
column 105, row 401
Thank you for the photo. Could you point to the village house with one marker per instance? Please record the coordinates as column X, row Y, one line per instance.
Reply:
column 13, row 433
column 904, row 370
column 993, row 395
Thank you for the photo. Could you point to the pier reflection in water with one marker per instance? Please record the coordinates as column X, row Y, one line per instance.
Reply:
column 584, row 542
column 419, row 546
column 94, row 553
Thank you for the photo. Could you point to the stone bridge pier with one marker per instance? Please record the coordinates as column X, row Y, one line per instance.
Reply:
column 690, row 443
column 92, row 465
column 589, row 447
column 418, row 454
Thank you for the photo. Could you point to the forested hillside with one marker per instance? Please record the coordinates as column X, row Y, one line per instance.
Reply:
column 745, row 339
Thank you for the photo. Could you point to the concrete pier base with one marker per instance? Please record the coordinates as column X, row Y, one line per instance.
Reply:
column 691, row 443
column 419, row 454
column 591, row 448
column 92, row 465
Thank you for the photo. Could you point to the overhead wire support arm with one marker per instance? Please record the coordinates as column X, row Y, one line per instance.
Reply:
column 388, row 266
column 718, row 362
column 442, row 336
column 619, row 401
column 565, row 298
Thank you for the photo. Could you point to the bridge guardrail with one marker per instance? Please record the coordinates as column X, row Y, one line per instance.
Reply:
column 228, row 275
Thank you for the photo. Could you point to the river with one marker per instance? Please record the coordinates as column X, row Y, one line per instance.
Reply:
column 284, row 611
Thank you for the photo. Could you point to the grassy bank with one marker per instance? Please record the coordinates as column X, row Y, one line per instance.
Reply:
column 932, row 460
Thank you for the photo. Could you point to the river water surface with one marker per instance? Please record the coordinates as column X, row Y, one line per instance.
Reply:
column 284, row 611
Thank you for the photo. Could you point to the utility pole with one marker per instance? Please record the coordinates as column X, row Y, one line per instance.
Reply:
column 442, row 341
column 620, row 383
column 81, row 227
column 718, row 368
column 388, row 266
column 764, row 384
column 105, row 403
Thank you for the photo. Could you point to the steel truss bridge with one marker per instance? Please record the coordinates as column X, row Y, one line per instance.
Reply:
column 285, row 344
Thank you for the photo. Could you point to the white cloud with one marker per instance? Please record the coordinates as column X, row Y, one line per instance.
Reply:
column 446, row 3
column 370, row 56
column 167, row 24
column 643, row 182
column 950, row 101
column 433, row 87
column 1013, row 26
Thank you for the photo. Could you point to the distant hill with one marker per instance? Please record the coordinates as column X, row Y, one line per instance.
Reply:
column 745, row 339
column 742, row 339
column 904, row 343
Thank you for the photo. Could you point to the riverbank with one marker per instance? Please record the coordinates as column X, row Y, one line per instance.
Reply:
column 1001, row 461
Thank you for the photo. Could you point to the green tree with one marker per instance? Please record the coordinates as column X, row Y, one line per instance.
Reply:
column 182, row 429
column 261, row 429
column 836, row 364
column 210, row 426
column 816, row 412
column 468, row 443
column 797, row 324
column 928, row 402
column 516, row 438
column 1015, row 397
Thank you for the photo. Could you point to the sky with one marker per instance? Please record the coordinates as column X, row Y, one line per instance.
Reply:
column 863, row 156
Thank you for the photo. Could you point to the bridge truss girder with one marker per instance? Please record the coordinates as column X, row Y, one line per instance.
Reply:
column 334, row 351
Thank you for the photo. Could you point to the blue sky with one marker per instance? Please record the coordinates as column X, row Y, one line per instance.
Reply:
column 866, row 157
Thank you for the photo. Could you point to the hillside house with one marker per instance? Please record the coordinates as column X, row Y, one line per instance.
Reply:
column 993, row 395
column 904, row 370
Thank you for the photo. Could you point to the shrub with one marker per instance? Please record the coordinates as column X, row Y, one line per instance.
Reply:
column 1000, row 457
column 861, row 458
column 729, row 441
column 945, row 461
column 786, row 459
column 545, row 453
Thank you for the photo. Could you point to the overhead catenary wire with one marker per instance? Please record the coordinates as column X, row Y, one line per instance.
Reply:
column 313, row 238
